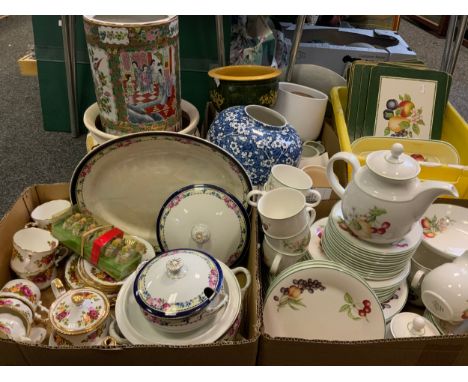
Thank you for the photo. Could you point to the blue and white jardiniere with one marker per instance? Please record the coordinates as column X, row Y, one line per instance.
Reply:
column 258, row 137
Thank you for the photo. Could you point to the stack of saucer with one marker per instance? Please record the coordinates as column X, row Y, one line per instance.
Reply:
column 447, row 327
column 384, row 266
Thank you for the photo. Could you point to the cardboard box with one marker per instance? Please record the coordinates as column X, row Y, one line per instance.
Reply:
column 334, row 47
column 230, row 353
column 442, row 350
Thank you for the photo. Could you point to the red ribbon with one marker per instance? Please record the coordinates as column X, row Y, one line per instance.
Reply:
column 101, row 241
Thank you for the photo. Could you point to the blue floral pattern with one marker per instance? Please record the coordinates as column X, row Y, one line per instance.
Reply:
column 256, row 145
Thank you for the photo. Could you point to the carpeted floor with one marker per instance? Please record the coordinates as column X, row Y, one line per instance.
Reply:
column 29, row 155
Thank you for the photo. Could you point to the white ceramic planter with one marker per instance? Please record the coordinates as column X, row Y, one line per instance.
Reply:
column 99, row 136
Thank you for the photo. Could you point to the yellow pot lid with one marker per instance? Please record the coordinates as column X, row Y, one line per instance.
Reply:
column 244, row 73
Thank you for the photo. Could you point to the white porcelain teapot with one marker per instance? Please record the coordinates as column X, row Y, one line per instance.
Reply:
column 385, row 197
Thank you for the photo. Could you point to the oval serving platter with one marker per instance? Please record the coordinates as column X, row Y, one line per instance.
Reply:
column 126, row 181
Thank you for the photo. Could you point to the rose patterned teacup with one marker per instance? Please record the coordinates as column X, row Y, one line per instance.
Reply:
column 42, row 278
column 14, row 304
column 283, row 211
column 80, row 316
column 14, row 325
column 25, row 291
column 34, row 250
column 48, row 213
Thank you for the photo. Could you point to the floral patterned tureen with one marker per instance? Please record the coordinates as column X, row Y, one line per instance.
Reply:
column 179, row 287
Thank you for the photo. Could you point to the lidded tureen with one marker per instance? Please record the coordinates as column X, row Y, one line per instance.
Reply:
column 180, row 290
column 385, row 197
column 79, row 316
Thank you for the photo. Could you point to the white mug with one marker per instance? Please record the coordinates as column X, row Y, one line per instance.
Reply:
column 283, row 211
column 444, row 290
column 278, row 261
column 283, row 175
column 422, row 262
column 303, row 107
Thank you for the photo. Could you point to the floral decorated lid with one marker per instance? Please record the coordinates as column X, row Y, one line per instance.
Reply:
column 393, row 164
column 178, row 283
column 79, row 311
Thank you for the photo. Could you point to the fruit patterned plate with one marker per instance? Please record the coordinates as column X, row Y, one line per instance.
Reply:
column 396, row 303
column 71, row 276
column 318, row 302
column 411, row 240
column 445, row 230
column 315, row 252
column 126, row 180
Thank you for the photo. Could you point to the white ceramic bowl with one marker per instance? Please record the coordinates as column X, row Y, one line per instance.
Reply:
column 100, row 136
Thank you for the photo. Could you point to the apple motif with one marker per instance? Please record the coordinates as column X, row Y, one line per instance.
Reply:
column 294, row 292
column 418, row 157
column 465, row 315
column 365, row 229
column 394, row 123
column 406, row 107
column 429, row 235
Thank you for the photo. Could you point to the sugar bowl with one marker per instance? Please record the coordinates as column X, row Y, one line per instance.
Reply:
column 79, row 316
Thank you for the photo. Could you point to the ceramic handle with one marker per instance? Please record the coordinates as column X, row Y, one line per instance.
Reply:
column 41, row 309
column 275, row 265
column 57, row 288
column 318, row 198
column 312, row 215
column 248, row 279
column 224, row 300
column 332, row 178
column 31, row 225
column 109, row 342
column 252, row 193
column 60, row 254
column 417, row 279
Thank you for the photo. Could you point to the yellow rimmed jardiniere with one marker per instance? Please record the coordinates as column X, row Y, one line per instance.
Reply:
column 244, row 85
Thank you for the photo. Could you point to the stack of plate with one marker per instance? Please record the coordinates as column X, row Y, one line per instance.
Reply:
column 385, row 265
column 390, row 305
column 318, row 299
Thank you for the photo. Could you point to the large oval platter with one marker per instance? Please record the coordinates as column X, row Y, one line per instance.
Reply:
column 125, row 181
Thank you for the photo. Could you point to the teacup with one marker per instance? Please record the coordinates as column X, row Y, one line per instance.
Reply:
column 444, row 290
column 43, row 278
column 317, row 145
column 283, row 175
column 35, row 250
column 15, row 326
column 14, row 304
column 48, row 213
column 278, row 261
column 303, row 107
column 283, row 211
column 294, row 244
column 422, row 262
column 25, row 291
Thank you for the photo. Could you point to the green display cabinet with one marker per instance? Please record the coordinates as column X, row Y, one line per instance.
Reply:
column 198, row 54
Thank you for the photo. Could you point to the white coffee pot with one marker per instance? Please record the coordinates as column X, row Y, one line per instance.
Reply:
column 444, row 290
column 385, row 197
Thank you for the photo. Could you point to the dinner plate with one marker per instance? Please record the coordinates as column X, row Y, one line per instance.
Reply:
column 207, row 218
column 396, row 302
column 411, row 240
column 70, row 273
column 445, row 230
column 139, row 331
column 316, row 252
column 126, row 180
column 318, row 302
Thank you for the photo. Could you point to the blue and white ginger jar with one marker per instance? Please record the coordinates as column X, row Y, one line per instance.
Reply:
column 258, row 137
